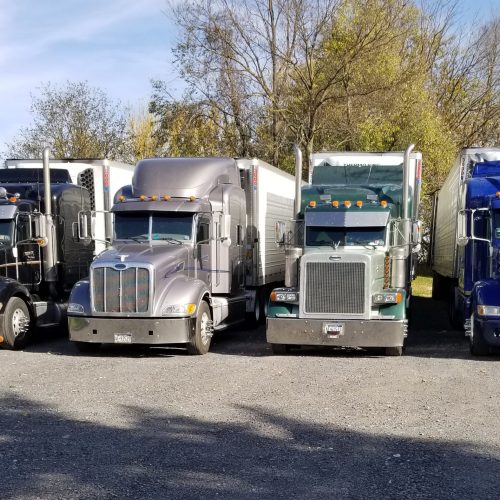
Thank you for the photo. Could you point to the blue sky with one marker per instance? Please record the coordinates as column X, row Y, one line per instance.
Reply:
column 116, row 45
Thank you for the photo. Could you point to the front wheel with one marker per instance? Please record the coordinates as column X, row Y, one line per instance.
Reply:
column 478, row 347
column 17, row 324
column 201, row 338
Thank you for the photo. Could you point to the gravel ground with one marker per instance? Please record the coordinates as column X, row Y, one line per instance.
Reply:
column 242, row 423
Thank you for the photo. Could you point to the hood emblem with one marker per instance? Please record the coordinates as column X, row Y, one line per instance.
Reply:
column 334, row 257
column 122, row 257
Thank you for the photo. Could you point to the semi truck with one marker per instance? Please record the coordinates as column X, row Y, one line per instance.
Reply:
column 193, row 252
column 41, row 258
column 465, row 256
column 350, row 253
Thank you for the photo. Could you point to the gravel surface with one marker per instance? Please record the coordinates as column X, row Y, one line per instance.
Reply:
column 243, row 423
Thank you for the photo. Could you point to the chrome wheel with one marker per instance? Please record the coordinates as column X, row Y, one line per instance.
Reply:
column 20, row 322
column 205, row 328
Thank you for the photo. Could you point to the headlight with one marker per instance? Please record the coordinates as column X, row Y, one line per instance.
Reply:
column 283, row 296
column 178, row 309
column 387, row 298
column 488, row 310
column 75, row 308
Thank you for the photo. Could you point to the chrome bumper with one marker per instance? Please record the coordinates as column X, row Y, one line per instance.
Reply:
column 356, row 333
column 141, row 330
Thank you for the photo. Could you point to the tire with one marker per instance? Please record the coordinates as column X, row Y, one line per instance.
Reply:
column 87, row 347
column 280, row 349
column 201, row 338
column 394, row 351
column 17, row 324
column 478, row 347
column 452, row 312
column 254, row 318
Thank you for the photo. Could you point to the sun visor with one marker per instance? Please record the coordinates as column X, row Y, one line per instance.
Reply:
column 349, row 218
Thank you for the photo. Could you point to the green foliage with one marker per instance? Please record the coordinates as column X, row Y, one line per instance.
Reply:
column 75, row 121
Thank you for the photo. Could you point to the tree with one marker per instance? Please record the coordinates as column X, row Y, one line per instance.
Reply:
column 75, row 121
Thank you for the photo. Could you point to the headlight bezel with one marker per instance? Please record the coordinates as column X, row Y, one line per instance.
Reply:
column 75, row 308
column 387, row 298
column 289, row 296
column 179, row 309
column 484, row 310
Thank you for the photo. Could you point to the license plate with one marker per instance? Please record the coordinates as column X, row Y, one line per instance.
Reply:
column 123, row 338
column 333, row 330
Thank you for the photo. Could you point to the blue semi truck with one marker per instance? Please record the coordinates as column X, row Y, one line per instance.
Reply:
column 465, row 250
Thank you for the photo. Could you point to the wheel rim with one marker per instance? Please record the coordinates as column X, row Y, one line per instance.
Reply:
column 20, row 322
column 257, row 309
column 205, row 328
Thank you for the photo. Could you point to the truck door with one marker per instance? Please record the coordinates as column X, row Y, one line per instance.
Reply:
column 29, row 263
column 202, row 249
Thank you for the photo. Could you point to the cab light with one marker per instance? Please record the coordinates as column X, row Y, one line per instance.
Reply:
column 383, row 203
column 142, row 197
column 154, row 197
column 335, row 203
column 192, row 198
column 497, row 194
column 42, row 242
column 166, row 197
column 488, row 310
column 122, row 198
column 312, row 203
column 347, row 203
column 12, row 199
column 359, row 203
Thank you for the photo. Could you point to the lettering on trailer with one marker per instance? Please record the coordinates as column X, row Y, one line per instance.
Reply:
column 254, row 178
column 419, row 170
column 106, row 178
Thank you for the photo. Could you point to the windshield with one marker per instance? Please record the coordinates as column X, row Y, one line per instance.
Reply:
column 164, row 226
column 6, row 231
column 328, row 174
column 344, row 236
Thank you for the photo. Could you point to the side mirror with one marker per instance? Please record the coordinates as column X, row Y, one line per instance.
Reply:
column 416, row 233
column 280, row 230
column 462, row 238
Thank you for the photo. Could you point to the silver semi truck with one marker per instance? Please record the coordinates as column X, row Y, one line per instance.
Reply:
column 350, row 253
column 193, row 251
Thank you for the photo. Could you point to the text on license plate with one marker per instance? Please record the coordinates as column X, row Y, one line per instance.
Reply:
column 123, row 338
column 333, row 329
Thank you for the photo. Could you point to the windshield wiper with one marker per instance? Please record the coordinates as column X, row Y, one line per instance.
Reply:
column 170, row 240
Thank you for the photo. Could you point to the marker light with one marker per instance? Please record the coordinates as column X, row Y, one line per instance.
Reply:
column 154, row 197
column 42, row 242
column 497, row 194
column 192, row 198
column 383, row 203
column 122, row 198
column 335, row 203
column 359, row 203
column 12, row 199
column 312, row 203
column 347, row 203
column 142, row 197
column 166, row 197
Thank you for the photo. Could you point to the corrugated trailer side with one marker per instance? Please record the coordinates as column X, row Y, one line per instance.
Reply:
column 270, row 198
column 445, row 225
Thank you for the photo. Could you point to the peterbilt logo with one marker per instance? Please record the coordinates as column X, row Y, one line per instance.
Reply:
column 334, row 257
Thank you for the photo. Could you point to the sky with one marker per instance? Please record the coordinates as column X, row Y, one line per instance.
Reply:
column 115, row 45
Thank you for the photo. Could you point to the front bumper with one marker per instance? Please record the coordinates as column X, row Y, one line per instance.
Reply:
column 153, row 331
column 489, row 329
column 356, row 333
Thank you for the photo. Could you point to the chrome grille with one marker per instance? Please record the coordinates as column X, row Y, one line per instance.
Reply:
column 335, row 287
column 120, row 290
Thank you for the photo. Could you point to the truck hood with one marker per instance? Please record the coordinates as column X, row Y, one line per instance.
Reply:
column 162, row 256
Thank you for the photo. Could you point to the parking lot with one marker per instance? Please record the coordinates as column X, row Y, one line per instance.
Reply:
column 243, row 423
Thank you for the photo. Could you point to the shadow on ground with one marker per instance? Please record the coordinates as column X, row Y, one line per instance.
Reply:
column 47, row 455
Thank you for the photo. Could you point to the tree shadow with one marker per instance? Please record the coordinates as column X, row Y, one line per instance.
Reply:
column 46, row 454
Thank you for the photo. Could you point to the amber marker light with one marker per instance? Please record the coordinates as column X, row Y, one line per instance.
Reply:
column 166, row 197
column 399, row 297
column 122, row 198
column 12, row 199
column 383, row 203
column 273, row 296
column 497, row 194
column 1, row 339
column 347, row 204
column 312, row 203
column 142, row 197
column 359, row 203
column 335, row 203
column 192, row 198
column 154, row 197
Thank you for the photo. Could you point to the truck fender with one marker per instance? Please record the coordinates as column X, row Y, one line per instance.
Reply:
column 486, row 292
column 10, row 287
column 182, row 290
column 80, row 294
